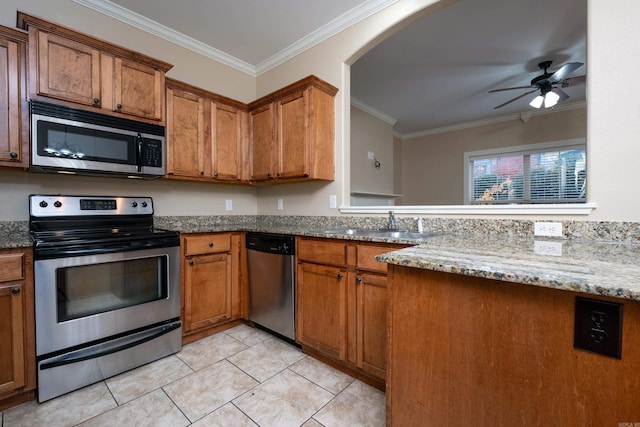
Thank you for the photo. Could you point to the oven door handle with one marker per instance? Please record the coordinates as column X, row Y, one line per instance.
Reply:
column 104, row 349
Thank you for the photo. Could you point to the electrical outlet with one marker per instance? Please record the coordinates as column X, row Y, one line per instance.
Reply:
column 371, row 155
column 548, row 229
column 280, row 204
column 598, row 327
column 546, row 247
column 333, row 202
column 229, row 204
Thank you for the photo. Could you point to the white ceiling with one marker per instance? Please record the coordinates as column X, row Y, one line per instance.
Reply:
column 435, row 73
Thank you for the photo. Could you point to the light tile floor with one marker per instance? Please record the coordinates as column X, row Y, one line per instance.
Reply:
column 239, row 377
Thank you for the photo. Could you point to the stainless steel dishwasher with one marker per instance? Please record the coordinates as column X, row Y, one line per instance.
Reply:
column 271, row 265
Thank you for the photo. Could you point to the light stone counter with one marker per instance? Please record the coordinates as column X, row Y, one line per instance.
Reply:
column 599, row 268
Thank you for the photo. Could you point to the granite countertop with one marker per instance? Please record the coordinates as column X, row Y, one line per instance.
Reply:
column 598, row 268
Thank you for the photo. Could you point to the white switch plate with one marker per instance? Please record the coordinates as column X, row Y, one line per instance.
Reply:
column 546, row 247
column 280, row 204
column 371, row 155
column 229, row 205
column 333, row 202
column 548, row 229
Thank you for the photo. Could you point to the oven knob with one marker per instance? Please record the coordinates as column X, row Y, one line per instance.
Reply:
column 57, row 203
column 144, row 204
column 43, row 204
column 134, row 204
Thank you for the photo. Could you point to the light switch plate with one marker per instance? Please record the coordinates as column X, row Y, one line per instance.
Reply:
column 280, row 204
column 229, row 205
column 333, row 202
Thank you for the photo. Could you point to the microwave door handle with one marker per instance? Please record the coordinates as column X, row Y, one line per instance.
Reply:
column 139, row 152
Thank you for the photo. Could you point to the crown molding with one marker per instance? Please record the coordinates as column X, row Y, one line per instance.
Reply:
column 136, row 20
column 355, row 102
column 491, row 120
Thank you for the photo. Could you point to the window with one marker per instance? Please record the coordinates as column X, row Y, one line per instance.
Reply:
column 540, row 173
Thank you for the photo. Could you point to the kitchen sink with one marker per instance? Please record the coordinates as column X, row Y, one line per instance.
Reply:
column 384, row 233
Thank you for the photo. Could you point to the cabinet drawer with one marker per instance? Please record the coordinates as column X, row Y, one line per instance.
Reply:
column 366, row 258
column 208, row 243
column 11, row 267
column 322, row 252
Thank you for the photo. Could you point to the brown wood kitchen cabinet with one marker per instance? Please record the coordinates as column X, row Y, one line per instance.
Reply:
column 292, row 133
column 14, row 119
column 82, row 71
column 211, row 294
column 342, row 304
column 17, row 341
column 207, row 135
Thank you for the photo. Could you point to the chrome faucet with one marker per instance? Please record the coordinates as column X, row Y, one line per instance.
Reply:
column 392, row 221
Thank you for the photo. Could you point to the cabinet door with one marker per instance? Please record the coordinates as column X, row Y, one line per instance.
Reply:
column 186, row 144
column 293, row 129
column 321, row 309
column 68, row 70
column 10, row 102
column 226, row 127
column 207, row 291
column 262, row 143
column 138, row 89
column 371, row 315
column 12, row 367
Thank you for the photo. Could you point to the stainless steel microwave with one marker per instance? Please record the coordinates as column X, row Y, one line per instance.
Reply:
column 88, row 143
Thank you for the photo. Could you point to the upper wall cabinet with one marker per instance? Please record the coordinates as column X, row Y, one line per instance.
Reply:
column 14, row 125
column 207, row 135
column 83, row 72
column 292, row 133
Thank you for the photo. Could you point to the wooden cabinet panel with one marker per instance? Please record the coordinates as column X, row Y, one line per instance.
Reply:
column 68, row 70
column 293, row 133
column 81, row 71
column 262, row 143
column 185, row 134
column 207, row 243
column 14, row 124
column 17, row 330
column 366, row 258
column 12, row 368
column 138, row 89
column 371, row 308
column 322, row 251
column 321, row 309
column 206, row 135
column 208, row 291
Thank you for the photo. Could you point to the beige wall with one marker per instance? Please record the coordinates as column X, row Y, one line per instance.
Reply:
column 613, row 126
column 432, row 167
column 369, row 133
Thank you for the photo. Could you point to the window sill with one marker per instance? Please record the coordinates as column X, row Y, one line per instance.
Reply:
column 548, row 209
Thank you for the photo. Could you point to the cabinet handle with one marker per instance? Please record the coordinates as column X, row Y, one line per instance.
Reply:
column 96, row 100
column 15, row 291
column 215, row 175
column 268, row 174
column 340, row 275
column 201, row 172
column 278, row 174
column 13, row 155
column 119, row 106
column 210, row 244
column 358, row 279
column 190, row 262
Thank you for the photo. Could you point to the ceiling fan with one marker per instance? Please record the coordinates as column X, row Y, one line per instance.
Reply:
column 549, row 85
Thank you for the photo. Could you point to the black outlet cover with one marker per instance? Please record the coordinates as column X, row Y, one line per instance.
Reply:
column 598, row 327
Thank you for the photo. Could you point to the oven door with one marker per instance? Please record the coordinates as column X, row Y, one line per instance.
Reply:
column 84, row 299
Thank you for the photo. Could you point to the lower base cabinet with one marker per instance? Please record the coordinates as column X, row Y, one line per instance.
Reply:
column 342, row 304
column 17, row 341
column 211, row 291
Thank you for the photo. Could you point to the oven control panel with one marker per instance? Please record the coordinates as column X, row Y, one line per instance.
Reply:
column 57, row 205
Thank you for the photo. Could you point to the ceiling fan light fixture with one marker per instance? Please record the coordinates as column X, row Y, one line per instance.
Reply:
column 551, row 99
column 537, row 101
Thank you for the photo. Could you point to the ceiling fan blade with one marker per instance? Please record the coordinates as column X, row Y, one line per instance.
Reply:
column 509, row 88
column 565, row 70
column 572, row 81
column 562, row 94
column 516, row 98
